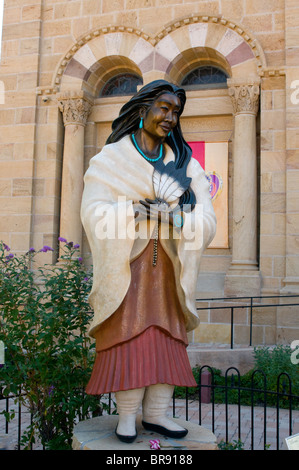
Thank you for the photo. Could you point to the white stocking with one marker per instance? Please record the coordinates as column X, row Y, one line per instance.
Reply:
column 128, row 403
column 157, row 399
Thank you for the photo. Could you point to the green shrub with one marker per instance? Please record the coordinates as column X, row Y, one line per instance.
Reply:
column 49, row 356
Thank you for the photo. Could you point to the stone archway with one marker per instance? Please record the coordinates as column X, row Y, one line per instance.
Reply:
column 167, row 56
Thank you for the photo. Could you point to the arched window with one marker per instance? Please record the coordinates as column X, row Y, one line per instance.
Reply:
column 123, row 84
column 206, row 76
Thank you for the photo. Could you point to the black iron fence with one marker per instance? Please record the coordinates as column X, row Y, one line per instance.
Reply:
column 249, row 303
column 277, row 400
column 218, row 398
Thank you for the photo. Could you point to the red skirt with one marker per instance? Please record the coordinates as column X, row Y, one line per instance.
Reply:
column 144, row 342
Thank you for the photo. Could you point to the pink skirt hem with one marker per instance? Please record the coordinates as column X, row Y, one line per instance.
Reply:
column 150, row 358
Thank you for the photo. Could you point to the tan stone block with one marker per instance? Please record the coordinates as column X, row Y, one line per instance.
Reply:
column 15, row 205
column 273, row 120
column 57, row 28
column 16, row 169
column 10, row 82
column 266, row 182
column 68, row 10
column 267, row 100
column 287, row 335
column 114, row 5
column 38, row 187
column 22, row 187
column 258, row 23
column 273, row 83
column 23, row 151
column 292, row 244
column 44, row 206
column 266, row 265
column 287, row 316
column 19, row 99
column 272, row 245
column 266, row 224
column 21, row 133
column 16, row 64
column 255, row 6
column 292, row 138
column 292, row 265
column 31, row 12
column 62, row 44
column 272, row 161
column 25, row 115
column 20, row 241
column 15, row 223
column 53, row 187
column 279, row 99
column 21, row 30
column 279, row 182
column 279, row 266
column 26, row 82
column 10, row 48
column 12, row 15
column 272, row 202
column 279, row 140
column 292, row 223
column 45, row 169
column 5, row 187
column 279, row 224
column 91, row 7
column 45, row 223
column 29, row 46
column 292, row 160
column 7, row 116
column 233, row 9
column 6, row 151
column 292, row 56
column 212, row 333
column 246, row 69
column 154, row 19
column 293, row 201
column 271, row 284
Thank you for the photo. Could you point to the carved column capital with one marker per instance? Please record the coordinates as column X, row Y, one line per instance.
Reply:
column 245, row 96
column 75, row 108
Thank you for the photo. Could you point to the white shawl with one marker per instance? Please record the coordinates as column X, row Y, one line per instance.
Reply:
column 117, row 177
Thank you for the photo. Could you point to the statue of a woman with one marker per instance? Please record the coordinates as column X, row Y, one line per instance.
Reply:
column 148, row 217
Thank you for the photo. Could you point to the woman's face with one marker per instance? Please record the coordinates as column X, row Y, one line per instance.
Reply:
column 162, row 116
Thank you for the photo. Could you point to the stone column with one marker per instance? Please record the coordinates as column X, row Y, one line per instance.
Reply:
column 75, row 108
column 243, row 277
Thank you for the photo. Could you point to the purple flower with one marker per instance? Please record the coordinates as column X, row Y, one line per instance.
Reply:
column 70, row 244
column 86, row 279
column 6, row 247
column 77, row 245
column 62, row 240
column 80, row 259
column 46, row 248
column 51, row 389
column 31, row 250
column 10, row 256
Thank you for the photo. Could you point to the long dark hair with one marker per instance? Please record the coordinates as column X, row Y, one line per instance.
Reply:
column 129, row 117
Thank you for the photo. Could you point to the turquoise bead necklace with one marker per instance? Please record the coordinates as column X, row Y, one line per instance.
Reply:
column 152, row 160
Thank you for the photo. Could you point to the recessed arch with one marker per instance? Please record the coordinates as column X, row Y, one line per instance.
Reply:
column 155, row 54
column 189, row 59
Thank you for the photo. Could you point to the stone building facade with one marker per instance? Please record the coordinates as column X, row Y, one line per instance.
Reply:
column 57, row 58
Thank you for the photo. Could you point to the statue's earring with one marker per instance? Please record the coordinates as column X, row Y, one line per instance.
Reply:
column 141, row 123
column 169, row 134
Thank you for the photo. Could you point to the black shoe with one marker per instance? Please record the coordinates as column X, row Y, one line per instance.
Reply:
column 164, row 431
column 127, row 439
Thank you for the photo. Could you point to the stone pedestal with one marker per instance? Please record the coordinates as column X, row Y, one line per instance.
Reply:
column 99, row 434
